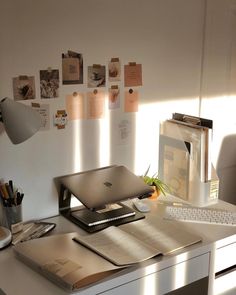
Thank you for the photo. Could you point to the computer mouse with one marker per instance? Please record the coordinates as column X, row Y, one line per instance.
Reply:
column 141, row 206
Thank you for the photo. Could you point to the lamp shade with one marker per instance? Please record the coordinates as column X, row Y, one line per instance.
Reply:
column 20, row 121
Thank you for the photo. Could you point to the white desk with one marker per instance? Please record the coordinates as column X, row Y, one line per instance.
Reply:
column 156, row 276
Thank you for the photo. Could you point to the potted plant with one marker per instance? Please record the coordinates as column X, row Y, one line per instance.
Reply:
column 158, row 185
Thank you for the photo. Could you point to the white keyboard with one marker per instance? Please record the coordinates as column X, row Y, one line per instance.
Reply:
column 201, row 215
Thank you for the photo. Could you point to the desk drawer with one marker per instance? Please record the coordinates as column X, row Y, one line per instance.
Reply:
column 168, row 279
column 225, row 257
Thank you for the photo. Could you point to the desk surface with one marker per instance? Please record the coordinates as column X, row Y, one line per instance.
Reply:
column 17, row 278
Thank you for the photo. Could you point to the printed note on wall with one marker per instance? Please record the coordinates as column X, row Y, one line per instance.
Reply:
column 95, row 104
column 133, row 74
column 43, row 110
column 75, row 106
column 131, row 101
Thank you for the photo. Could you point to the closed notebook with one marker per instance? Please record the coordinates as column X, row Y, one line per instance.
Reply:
column 65, row 262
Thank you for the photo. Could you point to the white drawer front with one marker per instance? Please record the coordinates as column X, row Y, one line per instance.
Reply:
column 225, row 257
column 167, row 279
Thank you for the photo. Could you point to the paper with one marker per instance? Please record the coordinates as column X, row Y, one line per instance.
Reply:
column 138, row 241
column 75, row 106
column 43, row 110
column 117, row 246
column 162, row 235
column 124, row 132
column 49, row 83
column 174, row 164
column 96, row 76
column 23, row 88
column 133, row 75
column 114, row 70
column 72, row 68
column 131, row 101
column 95, row 105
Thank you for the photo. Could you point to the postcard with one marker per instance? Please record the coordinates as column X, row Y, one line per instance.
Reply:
column 114, row 97
column 23, row 87
column 49, row 83
column 114, row 70
column 72, row 68
column 96, row 76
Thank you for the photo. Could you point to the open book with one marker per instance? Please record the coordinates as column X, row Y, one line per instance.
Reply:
column 73, row 266
column 138, row 241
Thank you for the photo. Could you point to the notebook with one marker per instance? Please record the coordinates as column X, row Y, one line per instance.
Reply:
column 76, row 260
column 108, row 185
column 64, row 261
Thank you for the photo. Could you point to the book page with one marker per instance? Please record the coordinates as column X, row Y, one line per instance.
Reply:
column 117, row 246
column 164, row 236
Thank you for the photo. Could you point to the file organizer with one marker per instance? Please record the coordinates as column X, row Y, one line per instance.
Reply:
column 185, row 161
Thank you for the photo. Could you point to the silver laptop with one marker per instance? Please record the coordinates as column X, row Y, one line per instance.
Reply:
column 108, row 185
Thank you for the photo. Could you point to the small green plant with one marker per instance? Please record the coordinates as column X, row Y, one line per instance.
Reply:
column 155, row 181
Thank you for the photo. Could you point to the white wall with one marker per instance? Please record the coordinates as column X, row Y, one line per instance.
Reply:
column 165, row 36
column 219, row 90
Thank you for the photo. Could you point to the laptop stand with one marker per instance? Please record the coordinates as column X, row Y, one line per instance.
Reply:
column 92, row 220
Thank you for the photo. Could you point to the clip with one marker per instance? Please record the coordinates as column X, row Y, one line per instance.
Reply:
column 115, row 59
column 23, row 77
column 96, row 66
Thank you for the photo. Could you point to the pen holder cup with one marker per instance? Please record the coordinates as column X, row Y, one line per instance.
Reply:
column 13, row 217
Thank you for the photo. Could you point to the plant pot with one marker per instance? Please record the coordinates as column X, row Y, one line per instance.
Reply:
column 155, row 194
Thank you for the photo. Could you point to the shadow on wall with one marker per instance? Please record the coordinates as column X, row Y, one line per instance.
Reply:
column 226, row 169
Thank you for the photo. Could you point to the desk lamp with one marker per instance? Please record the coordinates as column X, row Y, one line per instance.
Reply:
column 20, row 122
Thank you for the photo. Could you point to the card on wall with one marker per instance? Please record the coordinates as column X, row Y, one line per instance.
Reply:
column 60, row 119
column 95, row 104
column 96, row 76
column 114, row 70
column 43, row 110
column 131, row 101
column 49, row 83
column 133, row 74
column 114, row 97
column 75, row 106
column 72, row 68
column 23, row 87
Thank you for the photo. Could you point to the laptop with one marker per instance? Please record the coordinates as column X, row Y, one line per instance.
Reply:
column 99, row 187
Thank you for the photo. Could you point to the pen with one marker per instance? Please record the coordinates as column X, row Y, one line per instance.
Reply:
column 11, row 185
